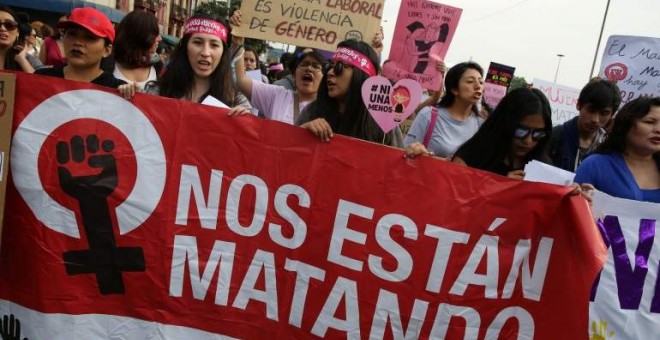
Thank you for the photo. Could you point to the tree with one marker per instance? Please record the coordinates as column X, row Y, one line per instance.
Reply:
column 219, row 9
column 517, row 82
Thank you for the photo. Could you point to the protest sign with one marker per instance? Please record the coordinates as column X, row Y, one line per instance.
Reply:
column 634, row 64
column 423, row 32
column 310, row 23
column 497, row 81
column 390, row 105
column 7, row 85
column 159, row 218
column 626, row 295
column 499, row 74
column 563, row 100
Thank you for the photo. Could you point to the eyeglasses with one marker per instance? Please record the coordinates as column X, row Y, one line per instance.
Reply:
column 9, row 24
column 522, row 132
column 338, row 67
column 314, row 66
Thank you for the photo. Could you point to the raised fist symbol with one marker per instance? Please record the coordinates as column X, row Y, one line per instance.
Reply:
column 103, row 258
column 100, row 185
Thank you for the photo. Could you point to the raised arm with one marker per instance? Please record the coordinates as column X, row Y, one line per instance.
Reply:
column 243, row 81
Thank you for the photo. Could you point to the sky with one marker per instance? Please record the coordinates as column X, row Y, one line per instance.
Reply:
column 528, row 34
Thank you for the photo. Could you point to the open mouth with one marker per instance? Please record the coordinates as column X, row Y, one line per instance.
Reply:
column 655, row 140
column 307, row 78
column 204, row 64
column 76, row 53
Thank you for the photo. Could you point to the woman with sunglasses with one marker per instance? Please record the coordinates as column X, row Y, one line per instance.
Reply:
column 13, row 54
column 276, row 102
column 516, row 132
column 338, row 107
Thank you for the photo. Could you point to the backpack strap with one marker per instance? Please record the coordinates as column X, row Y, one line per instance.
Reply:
column 429, row 129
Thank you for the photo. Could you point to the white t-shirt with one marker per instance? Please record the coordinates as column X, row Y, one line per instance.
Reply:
column 152, row 76
column 274, row 102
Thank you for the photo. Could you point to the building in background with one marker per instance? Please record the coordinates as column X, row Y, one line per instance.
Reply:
column 171, row 14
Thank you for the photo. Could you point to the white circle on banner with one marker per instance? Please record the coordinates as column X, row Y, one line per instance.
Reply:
column 68, row 106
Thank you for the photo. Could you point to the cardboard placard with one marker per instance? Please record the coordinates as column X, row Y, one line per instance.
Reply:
column 7, row 89
column 310, row 23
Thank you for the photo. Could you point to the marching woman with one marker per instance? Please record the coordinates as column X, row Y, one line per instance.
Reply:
column 135, row 45
column 338, row 107
column 200, row 66
column 441, row 129
column 627, row 163
column 52, row 51
column 517, row 132
column 13, row 54
column 88, row 37
column 277, row 102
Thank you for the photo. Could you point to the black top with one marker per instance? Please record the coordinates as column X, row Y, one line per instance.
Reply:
column 105, row 79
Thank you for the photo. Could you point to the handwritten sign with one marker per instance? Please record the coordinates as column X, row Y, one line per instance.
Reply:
column 625, row 299
column 389, row 104
column 423, row 32
column 310, row 23
column 634, row 63
column 563, row 100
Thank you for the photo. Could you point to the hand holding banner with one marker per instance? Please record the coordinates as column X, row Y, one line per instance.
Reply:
column 159, row 218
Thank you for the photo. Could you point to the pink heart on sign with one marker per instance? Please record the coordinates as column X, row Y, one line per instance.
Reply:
column 388, row 104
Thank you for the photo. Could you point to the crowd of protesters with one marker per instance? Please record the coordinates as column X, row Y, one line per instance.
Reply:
column 616, row 150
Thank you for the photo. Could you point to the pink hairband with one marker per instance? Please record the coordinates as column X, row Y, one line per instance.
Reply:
column 206, row 26
column 355, row 58
column 276, row 67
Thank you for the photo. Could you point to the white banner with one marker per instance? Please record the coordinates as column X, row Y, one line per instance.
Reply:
column 625, row 301
column 634, row 63
column 563, row 100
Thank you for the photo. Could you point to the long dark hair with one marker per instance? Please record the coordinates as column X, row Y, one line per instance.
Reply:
column 178, row 79
column 491, row 145
column 624, row 120
column 10, row 54
column 357, row 121
column 453, row 78
column 136, row 34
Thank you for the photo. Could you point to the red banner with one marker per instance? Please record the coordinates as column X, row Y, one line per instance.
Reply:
column 159, row 218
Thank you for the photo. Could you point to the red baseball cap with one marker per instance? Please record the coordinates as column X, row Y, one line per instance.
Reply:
column 92, row 20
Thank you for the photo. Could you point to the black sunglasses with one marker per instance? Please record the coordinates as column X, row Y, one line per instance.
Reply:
column 522, row 132
column 9, row 24
column 337, row 66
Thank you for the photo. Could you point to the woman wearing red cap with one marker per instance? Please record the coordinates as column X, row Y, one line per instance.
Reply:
column 87, row 40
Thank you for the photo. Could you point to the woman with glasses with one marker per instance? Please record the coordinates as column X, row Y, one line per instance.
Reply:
column 13, row 54
column 516, row 132
column 276, row 102
column 439, row 130
column 338, row 107
column 627, row 163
